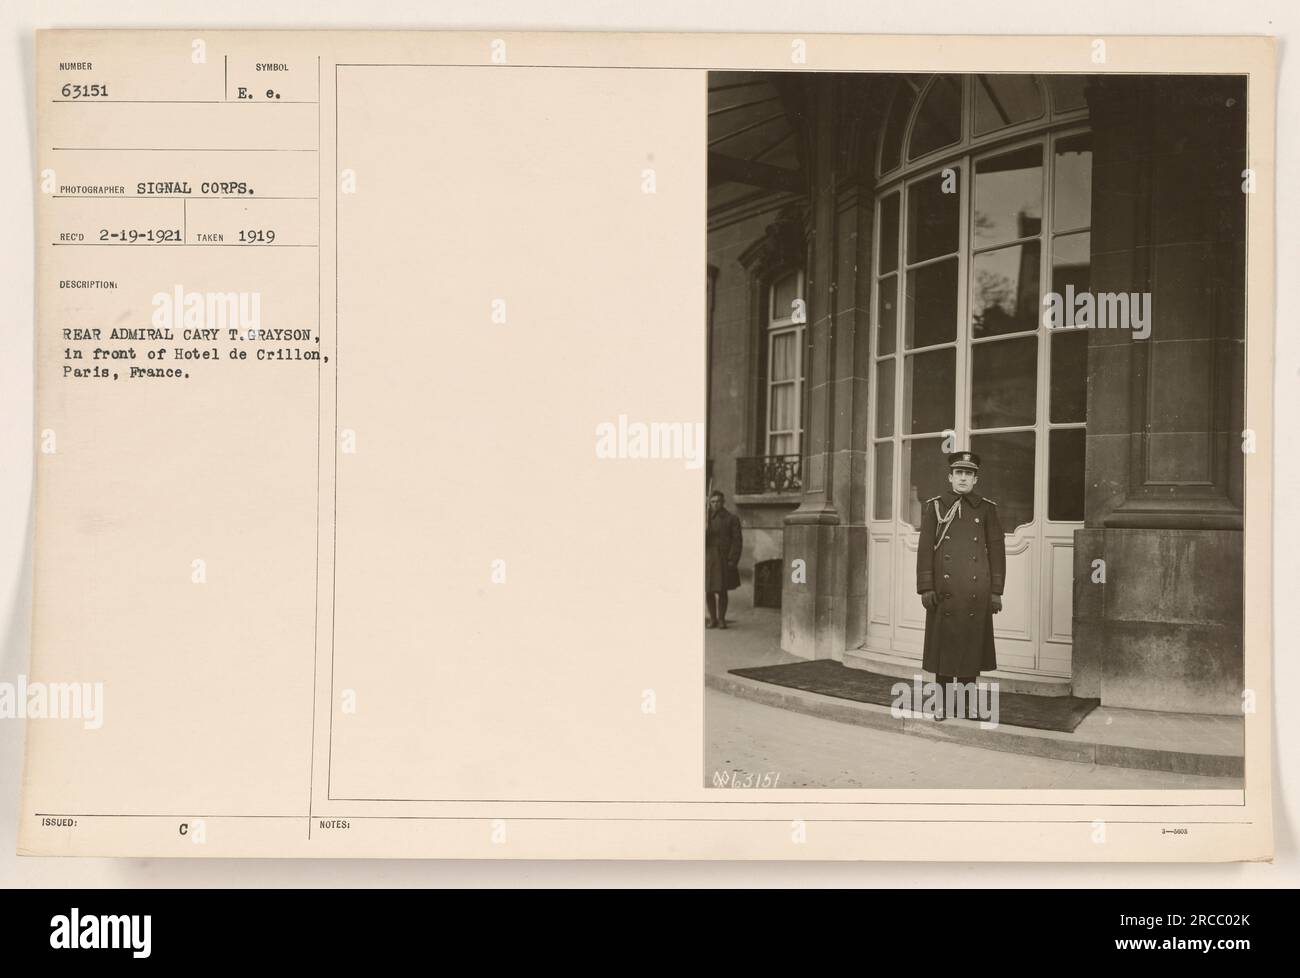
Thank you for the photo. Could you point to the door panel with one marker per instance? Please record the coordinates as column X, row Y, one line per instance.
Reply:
column 1014, row 621
column 911, row 611
column 879, row 570
column 1013, row 627
column 909, row 626
column 1060, row 588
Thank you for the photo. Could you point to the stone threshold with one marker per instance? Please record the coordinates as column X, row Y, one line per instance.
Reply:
column 1117, row 738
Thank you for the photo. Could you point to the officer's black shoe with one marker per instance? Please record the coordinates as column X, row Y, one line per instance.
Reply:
column 723, row 624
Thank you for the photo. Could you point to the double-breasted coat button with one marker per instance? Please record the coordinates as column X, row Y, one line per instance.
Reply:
column 977, row 519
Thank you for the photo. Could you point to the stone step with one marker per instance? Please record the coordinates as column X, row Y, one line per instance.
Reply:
column 1137, row 742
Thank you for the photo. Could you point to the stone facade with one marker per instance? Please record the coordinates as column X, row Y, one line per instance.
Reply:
column 1164, row 462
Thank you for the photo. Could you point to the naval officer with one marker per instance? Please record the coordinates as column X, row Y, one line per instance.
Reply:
column 961, row 567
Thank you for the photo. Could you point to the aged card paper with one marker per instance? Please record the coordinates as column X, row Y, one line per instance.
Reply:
column 383, row 379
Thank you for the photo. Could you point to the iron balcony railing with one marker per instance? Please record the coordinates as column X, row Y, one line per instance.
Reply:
column 762, row 474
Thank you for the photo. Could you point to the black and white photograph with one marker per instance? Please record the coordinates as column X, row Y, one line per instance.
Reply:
column 365, row 407
column 975, row 430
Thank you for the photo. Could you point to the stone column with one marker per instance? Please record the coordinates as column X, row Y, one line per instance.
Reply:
column 825, row 612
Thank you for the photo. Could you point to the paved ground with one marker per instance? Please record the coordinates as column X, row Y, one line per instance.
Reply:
column 754, row 639
column 750, row 738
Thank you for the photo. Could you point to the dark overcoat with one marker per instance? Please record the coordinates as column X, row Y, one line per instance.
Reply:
column 965, row 569
column 722, row 546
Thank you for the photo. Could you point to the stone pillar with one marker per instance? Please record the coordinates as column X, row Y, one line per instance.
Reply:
column 1164, row 467
column 825, row 613
column 852, row 397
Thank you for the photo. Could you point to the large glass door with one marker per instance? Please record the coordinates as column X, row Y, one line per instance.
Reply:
column 965, row 252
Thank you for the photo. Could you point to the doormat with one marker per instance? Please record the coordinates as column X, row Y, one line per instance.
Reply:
column 831, row 678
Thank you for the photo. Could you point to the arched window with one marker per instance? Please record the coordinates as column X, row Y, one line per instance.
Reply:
column 900, row 113
column 983, row 206
column 938, row 120
column 928, row 114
